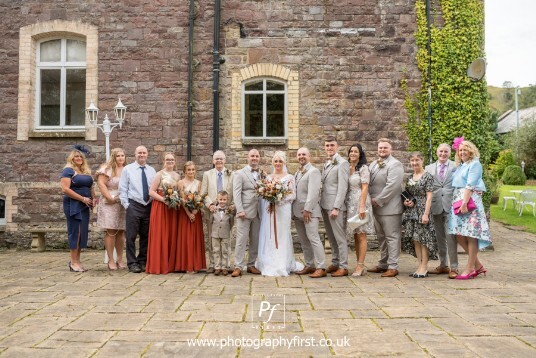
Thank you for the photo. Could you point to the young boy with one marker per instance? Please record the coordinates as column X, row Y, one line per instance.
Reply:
column 222, row 222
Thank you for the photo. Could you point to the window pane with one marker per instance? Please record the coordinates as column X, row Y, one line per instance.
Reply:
column 274, row 86
column 76, row 50
column 253, row 115
column 254, row 86
column 275, row 116
column 2, row 208
column 75, row 97
column 50, row 97
column 51, row 51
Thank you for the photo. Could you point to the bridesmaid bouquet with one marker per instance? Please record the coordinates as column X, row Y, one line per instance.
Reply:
column 172, row 197
column 193, row 201
column 272, row 190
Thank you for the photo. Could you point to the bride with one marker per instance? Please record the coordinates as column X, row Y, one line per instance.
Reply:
column 272, row 260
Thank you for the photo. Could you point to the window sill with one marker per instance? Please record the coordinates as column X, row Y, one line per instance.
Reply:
column 57, row 133
column 264, row 141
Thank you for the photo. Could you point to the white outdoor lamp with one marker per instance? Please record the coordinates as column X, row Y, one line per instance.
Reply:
column 106, row 126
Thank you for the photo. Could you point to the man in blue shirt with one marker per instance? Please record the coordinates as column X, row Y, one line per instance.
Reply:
column 134, row 187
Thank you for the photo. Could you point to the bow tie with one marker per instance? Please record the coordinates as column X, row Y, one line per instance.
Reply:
column 221, row 209
column 254, row 170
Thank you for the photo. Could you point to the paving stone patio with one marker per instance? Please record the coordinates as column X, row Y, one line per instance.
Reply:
column 45, row 310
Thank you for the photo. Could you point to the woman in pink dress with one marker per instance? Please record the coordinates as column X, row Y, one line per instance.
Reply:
column 110, row 212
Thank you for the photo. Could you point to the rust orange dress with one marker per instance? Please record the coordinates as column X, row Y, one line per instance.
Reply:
column 190, row 252
column 163, row 231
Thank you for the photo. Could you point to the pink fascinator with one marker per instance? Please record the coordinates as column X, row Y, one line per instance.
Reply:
column 456, row 142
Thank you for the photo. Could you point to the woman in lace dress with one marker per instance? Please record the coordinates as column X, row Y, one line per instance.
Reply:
column 111, row 215
column 358, row 201
column 277, row 259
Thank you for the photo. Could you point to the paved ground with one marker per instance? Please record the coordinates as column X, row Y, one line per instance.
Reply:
column 47, row 311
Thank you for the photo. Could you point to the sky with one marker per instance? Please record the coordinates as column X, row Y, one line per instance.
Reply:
column 510, row 42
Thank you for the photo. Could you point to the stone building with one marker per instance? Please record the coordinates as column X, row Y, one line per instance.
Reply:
column 294, row 72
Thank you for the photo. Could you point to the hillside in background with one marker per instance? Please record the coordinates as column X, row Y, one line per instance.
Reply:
column 502, row 99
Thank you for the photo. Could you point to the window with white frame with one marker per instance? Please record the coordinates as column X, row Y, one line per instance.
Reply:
column 2, row 210
column 264, row 109
column 61, row 84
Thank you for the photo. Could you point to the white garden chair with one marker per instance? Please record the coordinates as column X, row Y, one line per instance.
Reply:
column 506, row 199
column 527, row 198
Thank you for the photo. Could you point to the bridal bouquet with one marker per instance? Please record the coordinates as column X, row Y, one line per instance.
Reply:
column 193, row 201
column 172, row 197
column 272, row 190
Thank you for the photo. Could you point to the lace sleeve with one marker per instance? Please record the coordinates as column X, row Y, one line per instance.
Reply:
column 291, row 186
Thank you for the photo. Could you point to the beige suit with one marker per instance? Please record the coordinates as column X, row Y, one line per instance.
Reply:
column 220, row 228
column 385, row 188
column 209, row 186
column 334, row 188
column 307, row 198
column 247, row 228
column 441, row 206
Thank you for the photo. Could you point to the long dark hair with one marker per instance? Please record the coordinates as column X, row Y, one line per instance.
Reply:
column 362, row 157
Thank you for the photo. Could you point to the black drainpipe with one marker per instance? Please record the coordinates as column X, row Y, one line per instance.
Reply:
column 216, row 71
column 190, row 78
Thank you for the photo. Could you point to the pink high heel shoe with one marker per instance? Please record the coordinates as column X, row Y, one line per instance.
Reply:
column 481, row 270
column 470, row 275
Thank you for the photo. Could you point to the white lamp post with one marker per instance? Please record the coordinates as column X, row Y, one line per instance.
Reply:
column 106, row 126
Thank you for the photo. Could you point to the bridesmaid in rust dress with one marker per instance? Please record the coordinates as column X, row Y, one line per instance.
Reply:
column 163, row 227
column 190, row 253
column 110, row 212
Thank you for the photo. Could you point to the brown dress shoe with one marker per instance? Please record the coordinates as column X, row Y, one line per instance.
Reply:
column 237, row 272
column 340, row 273
column 332, row 268
column 210, row 270
column 440, row 270
column 377, row 269
column 306, row 270
column 253, row 270
column 318, row 273
column 217, row 272
column 224, row 272
column 390, row 273
column 453, row 273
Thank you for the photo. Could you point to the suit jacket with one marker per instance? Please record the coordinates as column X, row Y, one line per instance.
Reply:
column 245, row 193
column 442, row 194
column 307, row 192
column 221, row 224
column 386, row 186
column 209, row 186
column 335, row 184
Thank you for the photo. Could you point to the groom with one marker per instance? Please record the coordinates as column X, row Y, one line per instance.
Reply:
column 247, row 213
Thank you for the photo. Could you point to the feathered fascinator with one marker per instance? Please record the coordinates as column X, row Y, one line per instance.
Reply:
column 82, row 149
column 456, row 142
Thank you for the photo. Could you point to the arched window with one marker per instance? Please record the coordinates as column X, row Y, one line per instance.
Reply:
column 61, row 83
column 264, row 112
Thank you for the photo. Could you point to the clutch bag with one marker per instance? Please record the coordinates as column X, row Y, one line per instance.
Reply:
column 406, row 195
column 458, row 204
column 355, row 221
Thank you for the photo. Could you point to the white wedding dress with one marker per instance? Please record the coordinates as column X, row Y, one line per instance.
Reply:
column 280, row 261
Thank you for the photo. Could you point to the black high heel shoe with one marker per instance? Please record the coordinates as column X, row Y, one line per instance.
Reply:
column 72, row 269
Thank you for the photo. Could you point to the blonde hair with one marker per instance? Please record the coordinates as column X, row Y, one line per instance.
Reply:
column 84, row 168
column 112, row 161
column 187, row 164
column 471, row 148
column 281, row 155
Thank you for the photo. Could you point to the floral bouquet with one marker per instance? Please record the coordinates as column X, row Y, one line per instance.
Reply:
column 172, row 197
column 272, row 190
column 193, row 201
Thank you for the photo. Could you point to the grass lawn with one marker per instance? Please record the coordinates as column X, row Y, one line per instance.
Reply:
column 510, row 216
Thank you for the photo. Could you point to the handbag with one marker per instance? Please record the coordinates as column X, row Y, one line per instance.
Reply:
column 355, row 221
column 406, row 195
column 458, row 204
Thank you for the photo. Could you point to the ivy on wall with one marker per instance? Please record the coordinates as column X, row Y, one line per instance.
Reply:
column 459, row 105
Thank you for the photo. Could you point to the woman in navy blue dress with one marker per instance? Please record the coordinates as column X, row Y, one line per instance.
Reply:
column 78, row 199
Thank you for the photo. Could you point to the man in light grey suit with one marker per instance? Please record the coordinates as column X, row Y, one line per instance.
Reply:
column 306, row 212
column 386, row 177
column 334, row 186
column 247, row 213
column 215, row 180
column 442, row 171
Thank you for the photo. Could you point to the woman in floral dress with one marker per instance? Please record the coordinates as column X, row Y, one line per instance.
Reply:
column 358, row 201
column 419, row 234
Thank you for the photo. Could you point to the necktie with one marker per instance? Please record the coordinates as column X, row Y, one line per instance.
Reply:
column 442, row 172
column 219, row 182
column 145, row 185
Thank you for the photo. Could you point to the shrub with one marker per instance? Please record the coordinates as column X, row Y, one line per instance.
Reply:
column 506, row 158
column 513, row 175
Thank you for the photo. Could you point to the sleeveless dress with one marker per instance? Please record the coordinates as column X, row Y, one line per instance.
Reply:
column 163, row 232
column 280, row 261
column 190, row 249
column 354, row 198
column 76, row 212
column 110, row 216
column 414, row 230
